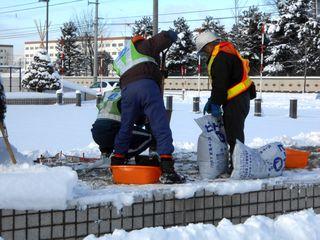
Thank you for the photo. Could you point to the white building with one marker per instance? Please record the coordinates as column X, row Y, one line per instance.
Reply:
column 112, row 45
column 6, row 55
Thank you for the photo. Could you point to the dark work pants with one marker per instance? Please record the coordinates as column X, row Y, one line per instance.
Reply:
column 143, row 97
column 234, row 116
column 104, row 132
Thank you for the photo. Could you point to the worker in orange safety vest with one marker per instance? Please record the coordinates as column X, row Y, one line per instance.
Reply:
column 232, row 88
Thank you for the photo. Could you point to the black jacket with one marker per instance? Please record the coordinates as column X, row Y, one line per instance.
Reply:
column 226, row 72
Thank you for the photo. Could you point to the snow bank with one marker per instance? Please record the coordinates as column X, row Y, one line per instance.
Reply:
column 294, row 226
column 125, row 195
column 5, row 158
column 76, row 86
column 25, row 187
column 301, row 140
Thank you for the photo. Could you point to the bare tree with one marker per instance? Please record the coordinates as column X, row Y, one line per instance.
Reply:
column 85, row 27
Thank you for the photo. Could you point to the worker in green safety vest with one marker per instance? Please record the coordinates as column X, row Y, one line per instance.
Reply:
column 107, row 125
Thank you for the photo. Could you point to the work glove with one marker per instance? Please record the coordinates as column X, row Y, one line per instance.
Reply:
column 216, row 110
column 212, row 108
column 172, row 35
column 207, row 107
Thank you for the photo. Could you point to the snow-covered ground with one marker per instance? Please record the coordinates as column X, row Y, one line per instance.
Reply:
column 294, row 226
column 37, row 129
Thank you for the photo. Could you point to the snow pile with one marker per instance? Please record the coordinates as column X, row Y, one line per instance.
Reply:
column 125, row 195
column 25, row 187
column 4, row 155
column 68, row 85
column 293, row 226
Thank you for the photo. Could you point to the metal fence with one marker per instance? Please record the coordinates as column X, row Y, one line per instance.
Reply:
column 159, row 210
column 11, row 78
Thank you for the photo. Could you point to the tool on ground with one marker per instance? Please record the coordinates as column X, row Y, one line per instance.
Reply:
column 6, row 141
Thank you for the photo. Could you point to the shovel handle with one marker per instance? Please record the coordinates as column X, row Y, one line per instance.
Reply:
column 6, row 141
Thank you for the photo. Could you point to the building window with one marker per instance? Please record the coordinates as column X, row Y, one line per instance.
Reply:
column 51, row 47
column 31, row 55
column 51, row 54
column 114, row 44
column 36, row 47
column 27, row 55
column 27, row 48
column 114, row 53
column 108, row 45
column 120, row 44
column 31, row 48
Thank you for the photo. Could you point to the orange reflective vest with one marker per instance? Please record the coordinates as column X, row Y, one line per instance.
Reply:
column 245, row 81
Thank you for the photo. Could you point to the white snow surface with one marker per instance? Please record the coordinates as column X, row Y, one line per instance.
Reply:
column 53, row 128
column 76, row 86
column 124, row 195
column 25, row 187
column 293, row 226
column 36, row 130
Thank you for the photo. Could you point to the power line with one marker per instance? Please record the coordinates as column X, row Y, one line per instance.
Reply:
column 19, row 5
column 163, row 14
column 32, row 8
column 189, row 12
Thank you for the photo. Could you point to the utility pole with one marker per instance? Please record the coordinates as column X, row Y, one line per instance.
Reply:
column 95, row 50
column 155, row 17
column 47, row 23
column 236, row 11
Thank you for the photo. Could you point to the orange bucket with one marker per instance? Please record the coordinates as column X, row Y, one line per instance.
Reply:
column 296, row 158
column 133, row 174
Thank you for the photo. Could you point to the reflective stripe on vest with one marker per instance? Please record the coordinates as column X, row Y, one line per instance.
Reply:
column 129, row 57
column 245, row 81
column 108, row 108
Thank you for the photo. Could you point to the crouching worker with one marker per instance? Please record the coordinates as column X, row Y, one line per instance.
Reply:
column 107, row 125
column 140, row 82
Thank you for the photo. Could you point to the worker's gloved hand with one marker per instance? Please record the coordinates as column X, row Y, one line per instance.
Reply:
column 207, row 107
column 216, row 110
column 172, row 35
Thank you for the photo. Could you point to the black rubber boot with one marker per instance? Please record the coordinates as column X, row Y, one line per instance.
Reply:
column 144, row 160
column 118, row 159
column 169, row 175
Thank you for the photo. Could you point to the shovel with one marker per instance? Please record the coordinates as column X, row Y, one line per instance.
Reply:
column 6, row 141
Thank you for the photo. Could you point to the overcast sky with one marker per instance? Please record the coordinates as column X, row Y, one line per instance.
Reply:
column 17, row 17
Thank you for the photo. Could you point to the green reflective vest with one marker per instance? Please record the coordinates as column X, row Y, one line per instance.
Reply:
column 129, row 57
column 108, row 108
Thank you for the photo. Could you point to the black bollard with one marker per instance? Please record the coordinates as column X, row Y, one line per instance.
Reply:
column 59, row 97
column 293, row 108
column 196, row 103
column 257, row 107
column 99, row 98
column 78, row 98
column 169, row 103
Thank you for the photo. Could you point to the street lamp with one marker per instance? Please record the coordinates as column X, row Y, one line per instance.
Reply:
column 47, row 22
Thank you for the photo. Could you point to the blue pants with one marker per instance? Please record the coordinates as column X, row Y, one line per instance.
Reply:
column 143, row 97
column 104, row 132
